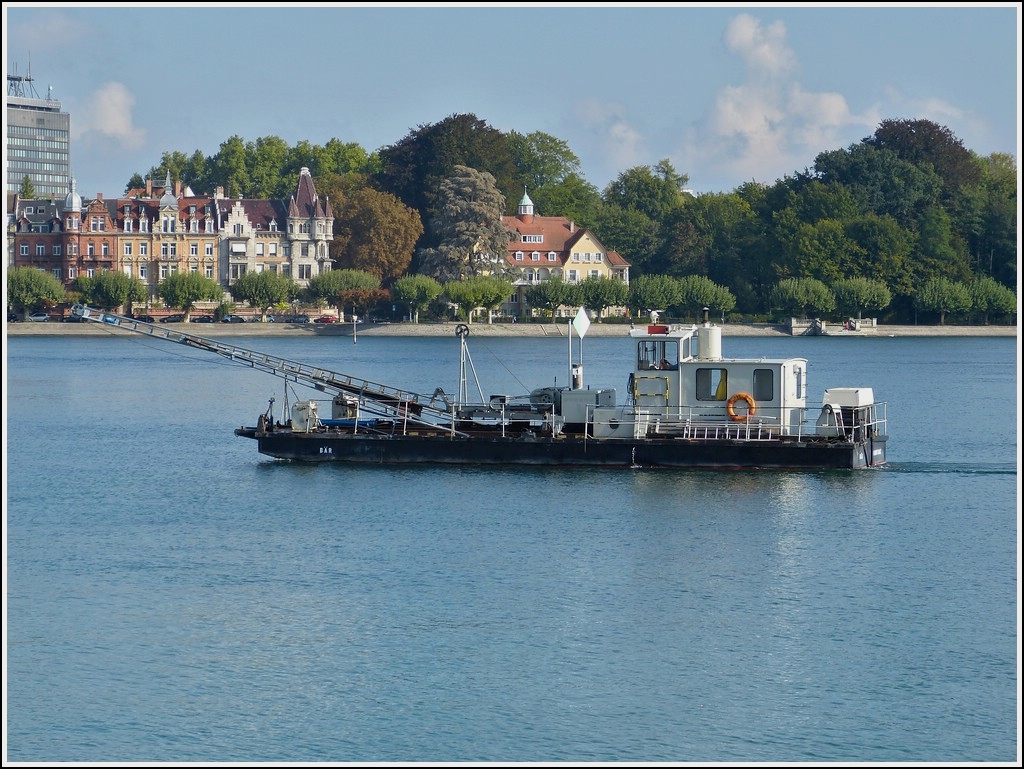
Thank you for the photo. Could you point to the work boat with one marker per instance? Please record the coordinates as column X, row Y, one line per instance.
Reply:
column 685, row 406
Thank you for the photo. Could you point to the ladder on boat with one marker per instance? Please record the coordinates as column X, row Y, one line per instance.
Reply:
column 393, row 399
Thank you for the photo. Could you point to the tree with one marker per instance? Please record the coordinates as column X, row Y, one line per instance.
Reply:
column 854, row 295
column 653, row 192
column 413, row 169
column 183, row 289
column 135, row 182
column 943, row 296
column 697, row 292
column 925, row 143
column 478, row 291
column 264, row 290
column 472, row 241
column 231, row 167
column 801, row 294
column 335, row 288
column 26, row 191
column 110, row 290
column 376, row 233
column 417, row 291
column 361, row 300
column 600, row 292
column 29, row 289
column 553, row 294
column 542, row 160
column 572, row 198
column 990, row 297
column 654, row 292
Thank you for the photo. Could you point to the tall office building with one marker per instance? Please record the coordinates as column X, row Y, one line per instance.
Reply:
column 38, row 140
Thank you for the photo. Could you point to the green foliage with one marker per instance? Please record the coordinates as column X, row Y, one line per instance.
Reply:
column 479, row 291
column 653, row 192
column 553, row 294
column 416, row 291
column 264, row 290
column 26, row 191
column 472, row 241
column 29, row 289
column 798, row 295
column 854, row 295
column 654, row 292
column 989, row 297
column 542, row 160
column 942, row 296
column 697, row 292
column 601, row 292
column 328, row 286
column 110, row 290
column 361, row 300
column 183, row 289
column 573, row 197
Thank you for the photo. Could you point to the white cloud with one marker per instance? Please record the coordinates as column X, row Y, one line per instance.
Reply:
column 769, row 126
column 762, row 47
column 108, row 112
column 620, row 145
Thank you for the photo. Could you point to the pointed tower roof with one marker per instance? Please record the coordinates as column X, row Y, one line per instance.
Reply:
column 168, row 200
column 73, row 202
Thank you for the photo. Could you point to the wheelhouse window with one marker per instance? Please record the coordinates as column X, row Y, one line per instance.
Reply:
column 764, row 385
column 712, row 384
column 658, row 354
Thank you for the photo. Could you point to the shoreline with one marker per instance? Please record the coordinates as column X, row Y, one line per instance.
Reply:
column 28, row 328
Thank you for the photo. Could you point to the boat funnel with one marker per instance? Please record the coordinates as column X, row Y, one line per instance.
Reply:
column 709, row 342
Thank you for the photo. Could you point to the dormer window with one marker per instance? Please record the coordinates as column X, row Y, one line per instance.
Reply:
column 552, row 256
column 535, row 256
column 533, row 238
column 519, row 256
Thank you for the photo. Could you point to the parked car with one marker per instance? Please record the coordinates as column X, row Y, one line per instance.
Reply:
column 73, row 319
column 204, row 319
column 232, row 319
column 145, row 318
column 295, row 319
column 39, row 317
column 326, row 319
column 12, row 316
column 173, row 319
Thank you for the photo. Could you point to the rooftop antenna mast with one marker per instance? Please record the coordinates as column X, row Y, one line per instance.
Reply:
column 21, row 85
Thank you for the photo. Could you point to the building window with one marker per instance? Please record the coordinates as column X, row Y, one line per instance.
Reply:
column 573, row 276
column 193, row 249
column 552, row 256
column 168, row 249
column 273, row 249
column 40, row 249
column 127, row 249
column 535, row 256
column 237, row 271
column 74, row 249
column 519, row 256
column 90, row 249
column 209, row 270
column 105, row 249
column 237, row 229
column 143, row 249
column 128, row 270
column 143, row 225
column 56, row 250
column 594, row 274
column 259, row 249
column 127, row 225
column 56, row 272
column 193, row 225
column 273, row 225
column 143, row 271
column 91, row 272
column 163, row 271
column 305, row 271
column 24, row 249
column 194, row 269
column 71, row 273
column 209, row 249
column 209, row 226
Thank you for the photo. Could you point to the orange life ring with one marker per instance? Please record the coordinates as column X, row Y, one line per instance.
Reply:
column 730, row 407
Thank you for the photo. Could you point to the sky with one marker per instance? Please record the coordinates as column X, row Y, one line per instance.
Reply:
column 727, row 93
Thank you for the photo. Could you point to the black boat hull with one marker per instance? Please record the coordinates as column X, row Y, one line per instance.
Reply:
column 570, row 451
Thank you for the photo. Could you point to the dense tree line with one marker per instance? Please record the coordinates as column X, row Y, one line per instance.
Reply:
column 904, row 209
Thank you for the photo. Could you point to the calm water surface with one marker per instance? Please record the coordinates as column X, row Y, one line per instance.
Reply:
column 174, row 596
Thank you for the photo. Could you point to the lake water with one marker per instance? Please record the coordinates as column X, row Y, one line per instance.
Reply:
column 172, row 595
